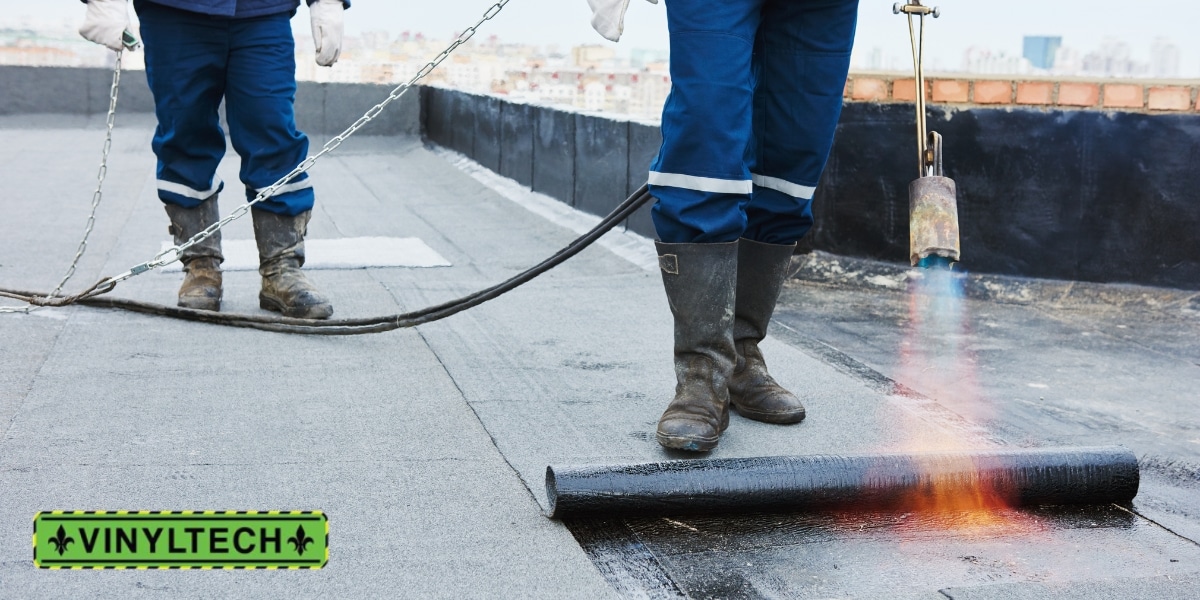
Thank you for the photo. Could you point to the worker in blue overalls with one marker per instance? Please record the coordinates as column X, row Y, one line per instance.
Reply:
column 756, row 95
column 199, row 52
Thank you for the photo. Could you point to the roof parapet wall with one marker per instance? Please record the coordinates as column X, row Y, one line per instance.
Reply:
column 321, row 108
column 1049, row 192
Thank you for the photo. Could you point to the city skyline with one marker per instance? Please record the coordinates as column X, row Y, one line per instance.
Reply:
column 1083, row 25
column 967, row 37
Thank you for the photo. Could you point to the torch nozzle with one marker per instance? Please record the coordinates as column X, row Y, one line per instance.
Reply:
column 933, row 221
column 934, row 261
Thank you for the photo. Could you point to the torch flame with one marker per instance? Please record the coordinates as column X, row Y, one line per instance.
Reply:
column 936, row 360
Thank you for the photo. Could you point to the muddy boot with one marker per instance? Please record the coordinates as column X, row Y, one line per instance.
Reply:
column 285, row 289
column 700, row 281
column 201, row 287
column 762, row 269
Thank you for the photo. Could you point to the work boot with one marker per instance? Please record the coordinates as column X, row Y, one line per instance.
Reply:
column 762, row 269
column 285, row 289
column 201, row 287
column 700, row 281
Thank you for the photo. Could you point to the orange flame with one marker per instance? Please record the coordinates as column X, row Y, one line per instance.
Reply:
column 937, row 361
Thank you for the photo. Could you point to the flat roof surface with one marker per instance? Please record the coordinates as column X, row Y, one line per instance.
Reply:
column 427, row 446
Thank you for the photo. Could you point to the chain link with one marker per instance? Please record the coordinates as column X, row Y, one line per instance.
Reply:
column 173, row 253
column 97, row 195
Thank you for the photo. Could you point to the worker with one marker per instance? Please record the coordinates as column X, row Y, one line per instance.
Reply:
column 747, row 129
column 199, row 52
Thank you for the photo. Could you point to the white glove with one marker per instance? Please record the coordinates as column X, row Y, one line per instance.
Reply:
column 328, row 23
column 106, row 22
column 608, row 17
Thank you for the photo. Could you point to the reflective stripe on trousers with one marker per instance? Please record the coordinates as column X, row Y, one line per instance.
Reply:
column 194, row 61
column 756, row 95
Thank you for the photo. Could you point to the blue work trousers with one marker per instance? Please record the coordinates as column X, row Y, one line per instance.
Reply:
column 192, row 62
column 747, row 129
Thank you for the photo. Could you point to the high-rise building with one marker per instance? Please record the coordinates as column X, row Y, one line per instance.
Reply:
column 985, row 61
column 1114, row 58
column 1041, row 49
column 1164, row 58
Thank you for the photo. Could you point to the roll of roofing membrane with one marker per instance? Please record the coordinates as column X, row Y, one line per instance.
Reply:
column 996, row 477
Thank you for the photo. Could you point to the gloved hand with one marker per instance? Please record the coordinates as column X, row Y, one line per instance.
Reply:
column 608, row 17
column 327, row 27
column 106, row 23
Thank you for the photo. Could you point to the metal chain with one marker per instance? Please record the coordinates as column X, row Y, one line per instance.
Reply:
column 173, row 253
column 96, row 195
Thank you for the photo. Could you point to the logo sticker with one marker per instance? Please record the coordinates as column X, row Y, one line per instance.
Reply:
column 180, row 539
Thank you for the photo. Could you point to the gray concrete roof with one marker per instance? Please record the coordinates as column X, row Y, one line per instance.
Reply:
column 427, row 446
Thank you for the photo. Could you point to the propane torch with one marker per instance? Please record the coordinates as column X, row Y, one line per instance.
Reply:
column 932, row 197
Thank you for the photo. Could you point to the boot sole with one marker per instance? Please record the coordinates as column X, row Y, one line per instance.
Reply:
column 787, row 418
column 318, row 311
column 208, row 304
column 693, row 444
column 685, row 443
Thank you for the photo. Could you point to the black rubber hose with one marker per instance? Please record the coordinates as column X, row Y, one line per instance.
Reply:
column 360, row 326
column 1014, row 478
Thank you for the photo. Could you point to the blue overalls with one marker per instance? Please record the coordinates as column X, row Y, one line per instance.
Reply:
column 200, row 51
column 756, row 95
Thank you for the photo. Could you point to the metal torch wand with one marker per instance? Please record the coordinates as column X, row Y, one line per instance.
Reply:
column 933, row 204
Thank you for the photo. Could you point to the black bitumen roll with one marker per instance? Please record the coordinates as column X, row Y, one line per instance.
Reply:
column 1024, row 477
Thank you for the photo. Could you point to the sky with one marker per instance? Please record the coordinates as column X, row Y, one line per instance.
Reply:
column 996, row 25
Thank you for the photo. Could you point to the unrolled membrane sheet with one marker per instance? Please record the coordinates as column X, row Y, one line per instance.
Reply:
column 1022, row 477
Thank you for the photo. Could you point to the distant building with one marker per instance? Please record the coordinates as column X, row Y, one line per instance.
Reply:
column 1040, row 50
column 636, row 93
column 875, row 59
column 593, row 56
column 57, row 47
column 1068, row 62
column 1164, row 58
column 985, row 61
column 641, row 58
column 590, row 77
column 1114, row 58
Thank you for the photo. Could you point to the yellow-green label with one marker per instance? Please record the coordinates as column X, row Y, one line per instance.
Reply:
column 180, row 540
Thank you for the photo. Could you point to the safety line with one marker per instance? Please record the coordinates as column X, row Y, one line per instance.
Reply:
column 97, row 195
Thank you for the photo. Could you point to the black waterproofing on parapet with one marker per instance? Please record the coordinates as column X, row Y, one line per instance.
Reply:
column 1083, row 195
column 1023, row 477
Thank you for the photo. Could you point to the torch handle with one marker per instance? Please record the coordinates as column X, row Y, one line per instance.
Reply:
column 925, row 155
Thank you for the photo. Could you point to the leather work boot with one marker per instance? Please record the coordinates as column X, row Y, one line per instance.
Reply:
column 285, row 289
column 201, row 287
column 762, row 269
column 700, row 281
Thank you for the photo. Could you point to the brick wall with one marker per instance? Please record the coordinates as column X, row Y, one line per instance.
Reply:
column 1123, row 95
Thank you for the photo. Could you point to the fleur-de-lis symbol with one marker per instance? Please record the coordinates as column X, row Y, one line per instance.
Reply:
column 61, row 540
column 300, row 541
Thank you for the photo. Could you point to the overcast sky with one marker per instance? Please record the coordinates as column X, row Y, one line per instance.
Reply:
column 996, row 25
